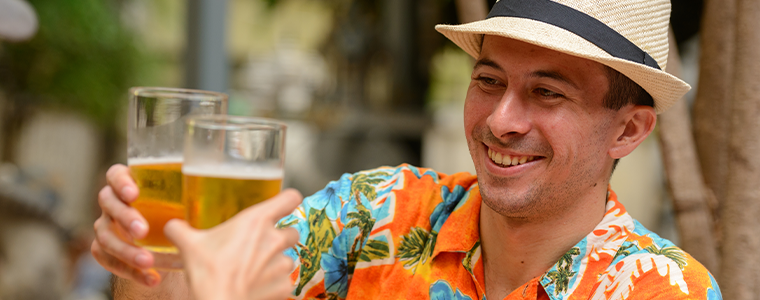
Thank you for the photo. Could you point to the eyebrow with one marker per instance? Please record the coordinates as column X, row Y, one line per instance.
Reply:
column 536, row 74
column 487, row 62
column 553, row 75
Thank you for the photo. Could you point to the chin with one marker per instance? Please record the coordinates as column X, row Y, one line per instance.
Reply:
column 513, row 203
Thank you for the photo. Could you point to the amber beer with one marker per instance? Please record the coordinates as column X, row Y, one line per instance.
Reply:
column 160, row 183
column 215, row 194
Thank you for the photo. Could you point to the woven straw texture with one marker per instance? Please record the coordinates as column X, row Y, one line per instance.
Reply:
column 643, row 22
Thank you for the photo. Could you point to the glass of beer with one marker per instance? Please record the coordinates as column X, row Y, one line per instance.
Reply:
column 156, row 131
column 230, row 163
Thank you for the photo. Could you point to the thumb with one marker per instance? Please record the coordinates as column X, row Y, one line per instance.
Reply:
column 179, row 232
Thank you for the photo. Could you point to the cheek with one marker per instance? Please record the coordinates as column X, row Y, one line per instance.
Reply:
column 476, row 111
column 567, row 139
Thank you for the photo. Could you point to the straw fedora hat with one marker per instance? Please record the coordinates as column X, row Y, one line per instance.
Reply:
column 630, row 36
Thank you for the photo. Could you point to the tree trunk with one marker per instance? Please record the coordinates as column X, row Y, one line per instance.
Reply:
column 471, row 10
column 741, row 208
column 713, row 103
column 686, row 186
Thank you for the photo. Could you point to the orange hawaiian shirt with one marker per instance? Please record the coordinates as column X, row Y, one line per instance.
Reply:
column 411, row 233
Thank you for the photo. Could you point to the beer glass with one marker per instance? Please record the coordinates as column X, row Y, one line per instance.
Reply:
column 230, row 163
column 156, row 131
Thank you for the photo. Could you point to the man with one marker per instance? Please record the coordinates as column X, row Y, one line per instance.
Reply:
column 560, row 91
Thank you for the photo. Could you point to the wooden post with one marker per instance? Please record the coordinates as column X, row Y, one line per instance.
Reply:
column 741, row 208
column 685, row 183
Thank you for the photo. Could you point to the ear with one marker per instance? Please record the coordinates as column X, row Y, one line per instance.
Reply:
column 638, row 122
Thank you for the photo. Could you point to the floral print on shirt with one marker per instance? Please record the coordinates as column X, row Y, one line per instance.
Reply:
column 412, row 233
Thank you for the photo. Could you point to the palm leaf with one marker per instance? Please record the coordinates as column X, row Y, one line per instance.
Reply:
column 375, row 249
column 671, row 252
column 416, row 247
column 286, row 224
column 467, row 262
column 364, row 183
column 321, row 236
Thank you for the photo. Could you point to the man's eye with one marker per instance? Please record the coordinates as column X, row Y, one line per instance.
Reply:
column 488, row 80
column 547, row 93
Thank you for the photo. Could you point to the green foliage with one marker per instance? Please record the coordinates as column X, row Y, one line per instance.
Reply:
column 321, row 236
column 561, row 276
column 364, row 183
column 561, row 279
column 467, row 262
column 567, row 258
column 82, row 58
column 416, row 247
column 626, row 250
column 375, row 249
column 286, row 224
column 673, row 253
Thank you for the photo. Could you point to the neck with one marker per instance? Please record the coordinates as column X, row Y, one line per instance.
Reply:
column 516, row 250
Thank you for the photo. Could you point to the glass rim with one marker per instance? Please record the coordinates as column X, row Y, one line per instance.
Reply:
column 150, row 91
column 229, row 122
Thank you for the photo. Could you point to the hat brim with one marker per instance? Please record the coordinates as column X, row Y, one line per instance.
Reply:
column 664, row 88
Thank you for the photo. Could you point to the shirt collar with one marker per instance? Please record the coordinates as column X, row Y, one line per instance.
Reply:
column 594, row 252
column 461, row 233
column 461, row 230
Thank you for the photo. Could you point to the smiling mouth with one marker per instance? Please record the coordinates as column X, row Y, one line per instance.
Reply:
column 505, row 160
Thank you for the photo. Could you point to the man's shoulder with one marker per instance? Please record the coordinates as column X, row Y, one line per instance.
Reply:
column 646, row 263
column 402, row 176
column 372, row 188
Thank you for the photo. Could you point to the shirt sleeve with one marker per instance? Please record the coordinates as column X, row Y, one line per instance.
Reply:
column 321, row 254
column 668, row 273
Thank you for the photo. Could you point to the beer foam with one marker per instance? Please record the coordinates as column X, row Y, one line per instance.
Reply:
column 154, row 160
column 234, row 171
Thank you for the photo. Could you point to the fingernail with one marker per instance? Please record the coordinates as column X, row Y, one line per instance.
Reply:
column 137, row 228
column 142, row 260
column 129, row 193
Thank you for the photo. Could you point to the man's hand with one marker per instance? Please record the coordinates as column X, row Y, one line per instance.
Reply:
column 118, row 226
column 241, row 258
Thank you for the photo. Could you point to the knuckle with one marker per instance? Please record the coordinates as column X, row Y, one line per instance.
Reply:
column 98, row 223
column 103, row 194
column 113, row 170
column 258, row 221
column 281, row 241
column 287, row 264
column 95, row 250
column 101, row 236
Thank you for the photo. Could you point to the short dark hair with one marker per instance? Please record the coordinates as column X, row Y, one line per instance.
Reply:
column 622, row 91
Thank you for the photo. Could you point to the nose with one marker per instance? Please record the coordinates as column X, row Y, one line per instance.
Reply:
column 509, row 117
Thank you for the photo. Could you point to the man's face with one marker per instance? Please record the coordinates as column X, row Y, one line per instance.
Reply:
column 541, row 110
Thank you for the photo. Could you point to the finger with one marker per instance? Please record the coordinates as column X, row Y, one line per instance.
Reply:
column 120, row 180
column 280, row 206
column 146, row 277
column 278, row 266
column 126, row 216
column 110, row 243
column 281, row 288
column 180, row 233
column 291, row 237
column 271, row 248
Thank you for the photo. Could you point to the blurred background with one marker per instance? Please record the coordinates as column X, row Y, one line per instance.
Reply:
column 360, row 83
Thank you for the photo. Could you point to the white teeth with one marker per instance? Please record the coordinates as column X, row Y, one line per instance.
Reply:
column 504, row 159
